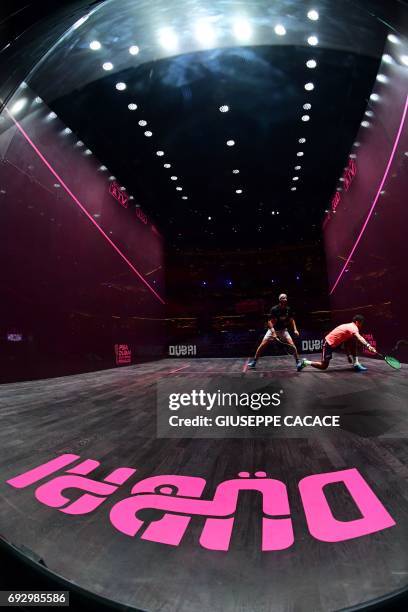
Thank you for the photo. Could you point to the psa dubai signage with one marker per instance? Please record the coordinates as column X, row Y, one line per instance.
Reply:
column 348, row 176
column 123, row 354
column 119, row 194
column 180, row 499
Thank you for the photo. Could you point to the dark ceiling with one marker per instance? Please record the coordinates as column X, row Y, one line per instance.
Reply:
column 179, row 91
column 180, row 98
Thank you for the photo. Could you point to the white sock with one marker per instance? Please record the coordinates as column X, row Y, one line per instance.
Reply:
column 356, row 361
column 307, row 362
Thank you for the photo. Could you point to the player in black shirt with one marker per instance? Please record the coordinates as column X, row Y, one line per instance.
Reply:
column 280, row 318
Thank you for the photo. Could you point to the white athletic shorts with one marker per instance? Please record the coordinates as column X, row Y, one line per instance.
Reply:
column 282, row 334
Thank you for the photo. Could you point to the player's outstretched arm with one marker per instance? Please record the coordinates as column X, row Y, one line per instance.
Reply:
column 364, row 342
column 294, row 327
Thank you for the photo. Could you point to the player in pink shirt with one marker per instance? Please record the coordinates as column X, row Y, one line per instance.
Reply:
column 349, row 333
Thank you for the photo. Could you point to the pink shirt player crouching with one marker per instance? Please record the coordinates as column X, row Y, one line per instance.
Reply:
column 342, row 333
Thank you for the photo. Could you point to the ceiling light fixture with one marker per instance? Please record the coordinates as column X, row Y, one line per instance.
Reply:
column 168, row 39
column 309, row 86
column 230, row 143
column 313, row 15
column 242, row 29
column 311, row 63
column 305, row 117
column 224, row 108
column 107, row 65
column 95, row 45
column 19, row 105
column 120, row 86
column 132, row 106
column 134, row 50
column 148, row 133
column 160, row 153
column 313, row 41
column 204, row 32
column 280, row 30
column 387, row 58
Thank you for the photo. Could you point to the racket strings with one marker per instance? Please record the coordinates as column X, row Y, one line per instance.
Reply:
column 393, row 362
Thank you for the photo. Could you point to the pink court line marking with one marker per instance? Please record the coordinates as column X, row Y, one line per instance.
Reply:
column 178, row 369
column 387, row 169
column 78, row 203
column 244, row 369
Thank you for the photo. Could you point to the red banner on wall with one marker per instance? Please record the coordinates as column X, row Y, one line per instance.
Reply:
column 123, row 354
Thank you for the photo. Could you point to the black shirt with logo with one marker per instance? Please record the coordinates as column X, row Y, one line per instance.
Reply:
column 282, row 316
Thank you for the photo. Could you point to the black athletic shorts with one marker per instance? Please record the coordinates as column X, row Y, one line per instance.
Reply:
column 327, row 351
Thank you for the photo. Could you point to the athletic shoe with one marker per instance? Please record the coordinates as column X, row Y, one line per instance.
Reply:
column 252, row 363
column 300, row 365
column 357, row 367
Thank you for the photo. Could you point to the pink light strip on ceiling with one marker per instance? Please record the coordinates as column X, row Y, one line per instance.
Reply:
column 78, row 203
column 384, row 178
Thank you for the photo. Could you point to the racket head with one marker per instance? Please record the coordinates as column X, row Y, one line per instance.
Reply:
column 290, row 348
column 392, row 362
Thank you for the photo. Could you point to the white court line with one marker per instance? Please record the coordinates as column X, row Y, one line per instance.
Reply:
column 178, row 369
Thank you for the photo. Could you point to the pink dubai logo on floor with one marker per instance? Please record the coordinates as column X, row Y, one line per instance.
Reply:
column 179, row 497
column 348, row 175
column 119, row 194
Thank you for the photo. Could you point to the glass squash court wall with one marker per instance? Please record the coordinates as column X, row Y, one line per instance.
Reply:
column 366, row 227
column 82, row 274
